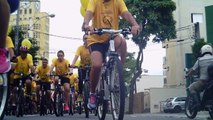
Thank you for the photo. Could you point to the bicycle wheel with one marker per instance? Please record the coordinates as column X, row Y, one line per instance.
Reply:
column 71, row 110
column 102, row 104
column 86, row 97
column 117, row 94
column 20, row 104
column 4, row 92
column 58, row 105
column 43, row 104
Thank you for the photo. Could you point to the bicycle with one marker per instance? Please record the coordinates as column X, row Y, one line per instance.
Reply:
column 4, row 93
column 20, row 97
column 111, row 85
column 58, row 96
column 45, row 102
column 86, row 89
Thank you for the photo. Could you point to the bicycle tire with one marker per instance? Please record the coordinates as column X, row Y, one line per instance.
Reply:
column 71, row 110
column 117, row 94
column 20, row 103
column 102, row 105
column 86, row 97
column 4, row 88
column 43, row 104
column 58, row 105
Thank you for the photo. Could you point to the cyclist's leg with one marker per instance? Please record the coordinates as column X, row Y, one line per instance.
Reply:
column 81, row 78
column 121, row 47
column 38, row 87
column 4, row 21
column 97, row 52
column 28, row 82
column 65, row 82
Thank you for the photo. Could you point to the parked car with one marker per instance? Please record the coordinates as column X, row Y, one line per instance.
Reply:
column 174, row 104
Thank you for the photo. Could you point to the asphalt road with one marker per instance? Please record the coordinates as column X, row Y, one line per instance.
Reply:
column 144, row 116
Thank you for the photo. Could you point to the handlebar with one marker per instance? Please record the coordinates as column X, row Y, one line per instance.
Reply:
column 100, row 31
column 59, row 75
column 80, row 67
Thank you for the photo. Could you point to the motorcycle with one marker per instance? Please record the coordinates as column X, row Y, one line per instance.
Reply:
column 205, row 98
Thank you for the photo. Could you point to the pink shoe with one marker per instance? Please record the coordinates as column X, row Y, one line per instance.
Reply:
column 66, row 107
column 4, row 61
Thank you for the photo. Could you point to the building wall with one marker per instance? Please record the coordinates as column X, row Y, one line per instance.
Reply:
column 159, row 95
column 177, row 48
column 32, row 18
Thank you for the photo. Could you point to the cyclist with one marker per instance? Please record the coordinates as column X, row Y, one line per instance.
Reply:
column 105, row 14
column 74, row 84
column 84, row 54
column 24, row 65
column 41, row 73
column 61, row 66
column 200, row 66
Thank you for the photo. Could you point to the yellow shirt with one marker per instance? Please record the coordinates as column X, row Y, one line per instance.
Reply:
column 42, row 73
column 9, row 42
column 61, row 67
column 23, row 65
column 73, row 79
column 105, row 15
column 84, row 54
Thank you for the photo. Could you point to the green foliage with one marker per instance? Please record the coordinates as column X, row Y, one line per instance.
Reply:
column 129, row 67
column 155, row 18
column 196, row 48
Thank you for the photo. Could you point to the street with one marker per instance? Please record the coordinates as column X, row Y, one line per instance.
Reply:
column 144, row 116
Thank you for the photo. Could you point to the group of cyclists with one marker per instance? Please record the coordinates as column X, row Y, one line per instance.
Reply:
column 92, row 52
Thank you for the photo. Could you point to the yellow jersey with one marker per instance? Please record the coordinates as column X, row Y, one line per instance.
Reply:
column 42, row 73
column 105, row 15
column 23, row 65
column 84, row 54
column 61, row 67
column 9, row 42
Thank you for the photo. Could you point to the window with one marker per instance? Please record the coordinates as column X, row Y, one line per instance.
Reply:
column 197, row 17
column 30, row 11
column 20, row 11
column 25, row 11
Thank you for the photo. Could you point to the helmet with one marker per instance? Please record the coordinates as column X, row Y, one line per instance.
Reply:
column 23, row 49
column 206, row 49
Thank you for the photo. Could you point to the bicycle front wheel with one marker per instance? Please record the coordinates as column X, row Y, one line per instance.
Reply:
column 4, row 91
column 117, row 94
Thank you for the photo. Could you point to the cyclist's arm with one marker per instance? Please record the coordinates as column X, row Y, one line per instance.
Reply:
column 74, row 60
column 129, row 18
column 87, row 19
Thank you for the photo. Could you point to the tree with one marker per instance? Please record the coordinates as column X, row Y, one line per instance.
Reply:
column 156, row 19
column 196, row 48
column 129, row 69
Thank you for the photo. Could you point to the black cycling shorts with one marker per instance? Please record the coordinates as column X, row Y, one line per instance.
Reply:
column 46, row 85
column 16, row 81
column 101, row 47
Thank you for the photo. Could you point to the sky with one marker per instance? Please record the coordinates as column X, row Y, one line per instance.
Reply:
column 67, row 23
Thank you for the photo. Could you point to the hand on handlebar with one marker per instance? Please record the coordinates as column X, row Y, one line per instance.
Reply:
column 87, row 28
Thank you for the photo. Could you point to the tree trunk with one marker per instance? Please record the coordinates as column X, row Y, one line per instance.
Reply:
column 137, row 74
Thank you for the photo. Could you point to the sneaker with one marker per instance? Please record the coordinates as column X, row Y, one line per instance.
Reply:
column 92, row 101
column 80, row 97
column 66, row 107
column 4, row 61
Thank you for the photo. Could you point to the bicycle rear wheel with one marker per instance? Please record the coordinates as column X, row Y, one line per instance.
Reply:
column 117, row 94
column 4, row 92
